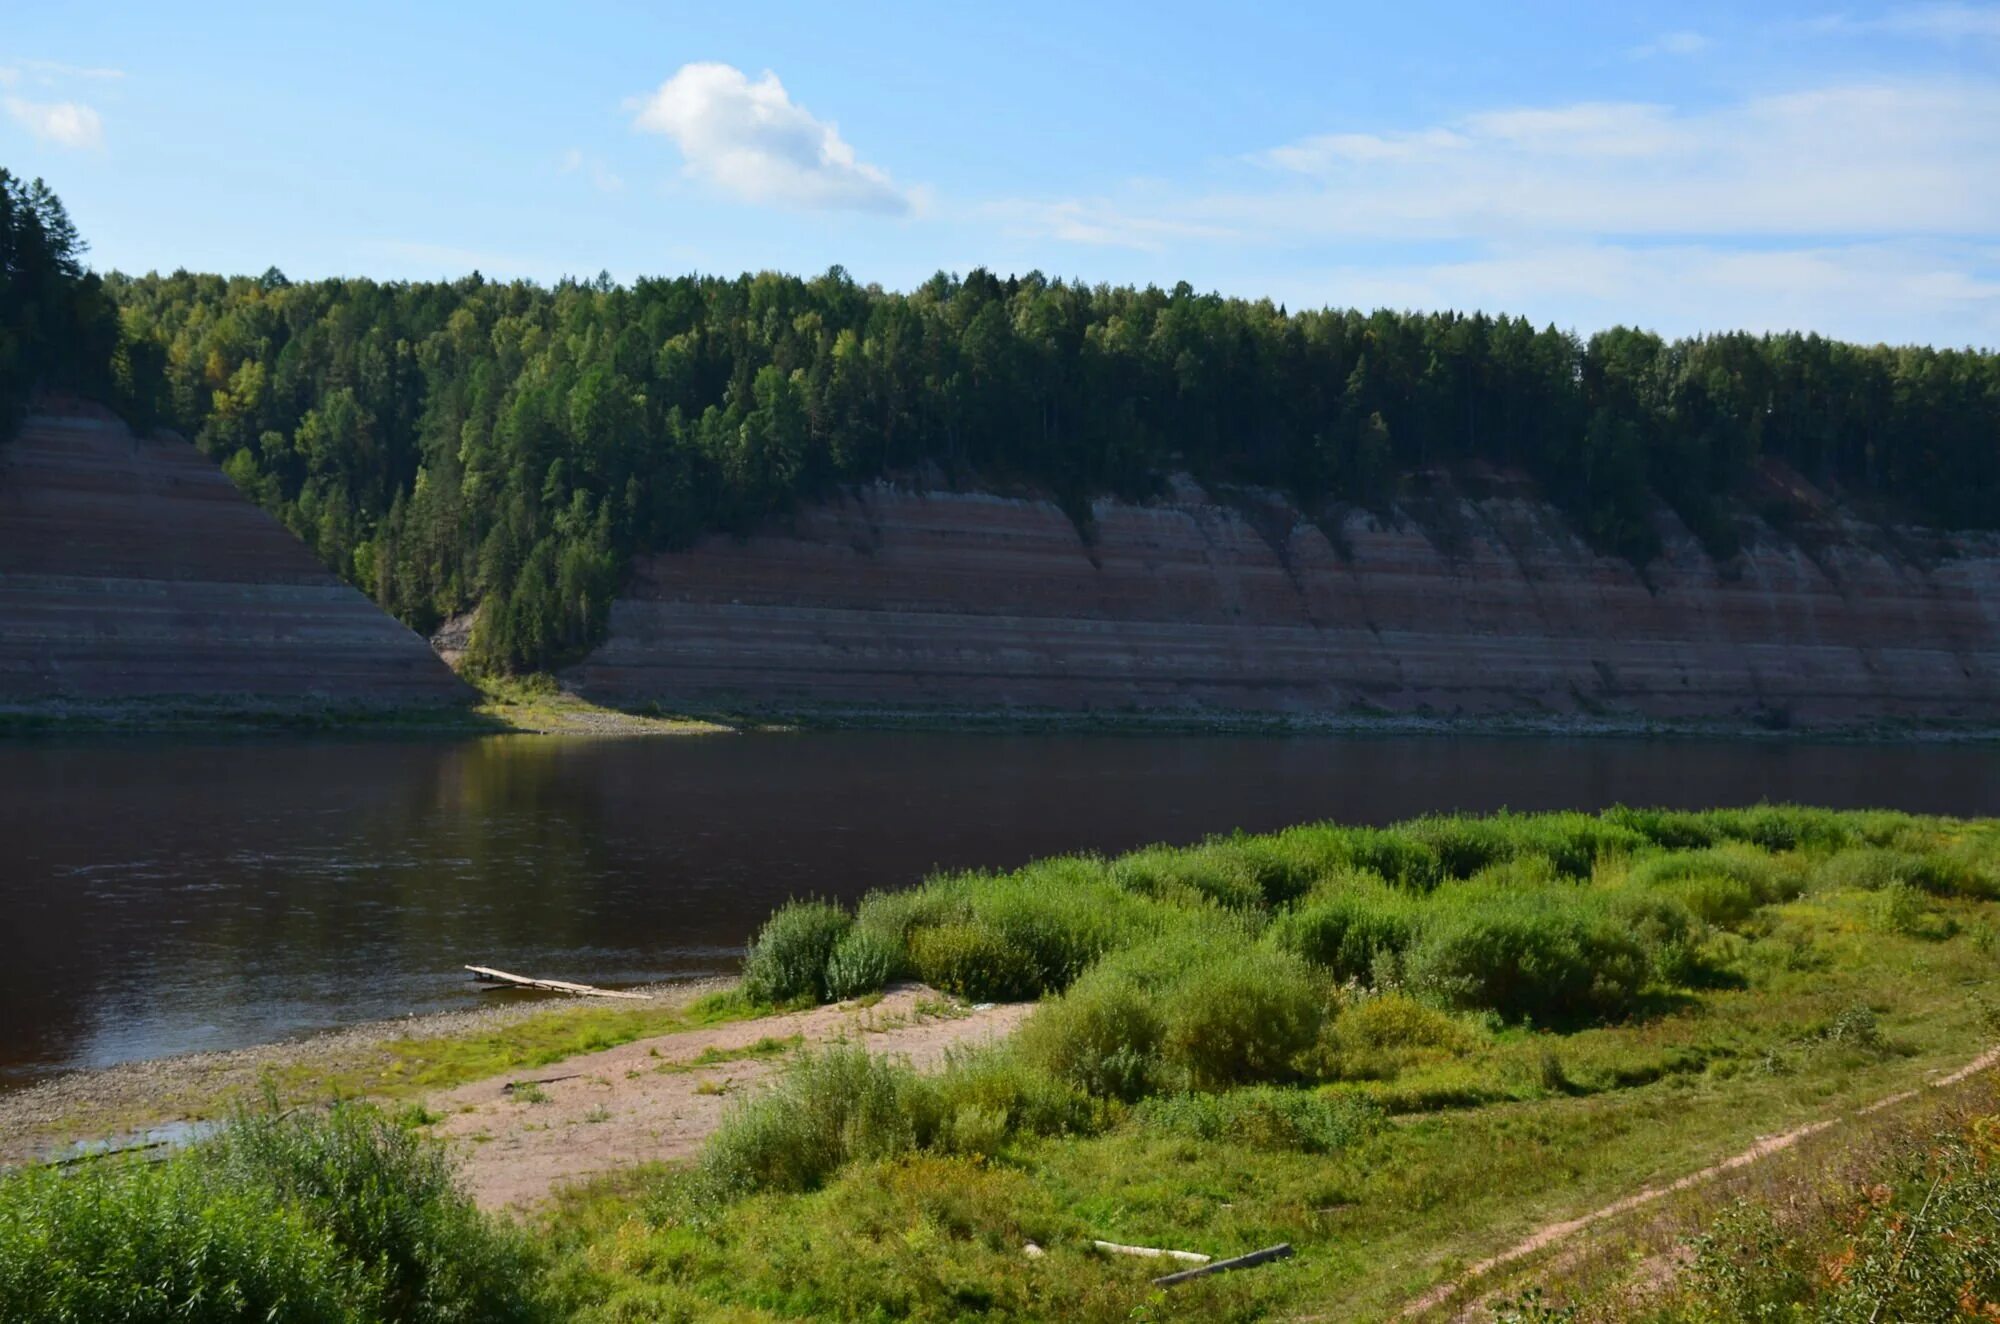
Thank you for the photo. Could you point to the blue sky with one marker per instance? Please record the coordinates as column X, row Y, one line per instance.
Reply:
column 1685, row 167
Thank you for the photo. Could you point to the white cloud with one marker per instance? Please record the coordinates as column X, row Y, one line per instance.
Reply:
column 51, row 71
column 64, row 123
column 1933, row 22
column 1673, row 43
column 752, row 141
column 1945, row 22
column 1096, row 222
column 1900, row 292
column 1868, row 159
column 602, row 177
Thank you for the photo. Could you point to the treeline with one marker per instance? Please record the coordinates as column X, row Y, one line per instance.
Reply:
column 57, row 327
column 451, row 445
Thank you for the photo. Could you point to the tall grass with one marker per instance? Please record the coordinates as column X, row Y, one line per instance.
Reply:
column 342, row 1216
column 1321, row 954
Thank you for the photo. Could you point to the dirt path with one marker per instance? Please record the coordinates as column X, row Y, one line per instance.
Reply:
column 656, row 1099
column 1555, row 1233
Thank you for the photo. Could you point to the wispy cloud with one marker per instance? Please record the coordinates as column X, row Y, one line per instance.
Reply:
column 56, row 70
column 601, row 177
column 753, row 142
column 1935, row 22
column 1901, row 291
column 64, row 123
column 1684, row 42
column 1096, row 222
column 1866, row 209
column 1869, row 159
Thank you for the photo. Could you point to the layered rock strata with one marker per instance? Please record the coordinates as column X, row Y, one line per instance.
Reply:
column 1487, row 608
column 131, row 569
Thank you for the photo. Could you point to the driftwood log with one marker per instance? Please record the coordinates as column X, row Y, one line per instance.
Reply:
column 1154, row 1252
column 1281, row 1251
column 487, row 974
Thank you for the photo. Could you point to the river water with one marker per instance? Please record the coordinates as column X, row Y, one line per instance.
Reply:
column 162, row 897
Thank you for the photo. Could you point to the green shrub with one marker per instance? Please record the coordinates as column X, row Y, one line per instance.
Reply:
column 1393, row 1020
column 862, row 962
column 1004, row 1083
column 141, row 1242
column 1347, row 926
column 1545, row 953
column 390, row 1200
column 1872, row 868
column 1764, row 877
column 1265, row 1117
column 829, row 1109
column 788, row 960
column 974, row 962
column 1167, row 873
column 345, row 1216
column 1239, row 1017
column 1103, row 1037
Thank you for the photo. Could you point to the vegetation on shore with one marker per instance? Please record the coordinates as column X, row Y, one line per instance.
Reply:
column 1398, row 1049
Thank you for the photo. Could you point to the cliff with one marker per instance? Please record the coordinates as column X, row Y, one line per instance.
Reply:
column 131, row 569
column 1488, row 608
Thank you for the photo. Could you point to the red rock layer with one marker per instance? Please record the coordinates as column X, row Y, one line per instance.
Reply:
column 132, row 569
column 957, row 600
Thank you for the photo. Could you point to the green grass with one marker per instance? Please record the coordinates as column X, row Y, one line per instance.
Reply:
column 404, row 1067
column 343, row 1216
column 1397, row 1049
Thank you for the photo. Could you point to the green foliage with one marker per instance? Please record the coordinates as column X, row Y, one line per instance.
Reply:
column 1239, row 1017
column 388, row 1198
column 1265, row 1117
column 142, row 1243
column 462, row 444
column 345, row 1216
column 57, row 327
column 1103, row 1037
column 1349, row 927
column 829, row 1109
column 789, row 958
column 862, row 962
column 1551, row 953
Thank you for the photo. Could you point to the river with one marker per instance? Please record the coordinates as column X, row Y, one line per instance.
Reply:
column 157, row 898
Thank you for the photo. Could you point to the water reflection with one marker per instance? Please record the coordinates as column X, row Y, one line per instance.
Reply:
column 160, row 898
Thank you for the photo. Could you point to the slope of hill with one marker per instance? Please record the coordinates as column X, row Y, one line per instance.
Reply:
column 131, row 570
column 1487, row 608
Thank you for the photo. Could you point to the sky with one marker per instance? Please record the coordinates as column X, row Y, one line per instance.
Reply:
column 1687, row 168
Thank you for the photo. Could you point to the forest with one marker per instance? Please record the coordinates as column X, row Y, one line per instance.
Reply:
column 58, row 330
column 508, row 446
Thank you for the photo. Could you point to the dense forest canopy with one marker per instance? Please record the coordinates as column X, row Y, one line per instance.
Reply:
column 446, row 445
column 57, row 328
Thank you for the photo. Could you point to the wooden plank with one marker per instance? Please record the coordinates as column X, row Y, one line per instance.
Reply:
column 492, row 976
column 1154, row 1252
column 1281, row 1251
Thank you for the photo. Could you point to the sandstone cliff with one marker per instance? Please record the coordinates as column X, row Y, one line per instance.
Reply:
column 954, row 600
column 130, row 569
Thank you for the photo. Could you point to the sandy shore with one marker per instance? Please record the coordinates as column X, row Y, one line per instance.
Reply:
column 119, row 1099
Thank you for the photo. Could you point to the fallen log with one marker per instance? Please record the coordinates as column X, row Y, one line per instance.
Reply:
column 1154, row 1252
column 487, row 974
column 1281, row 1251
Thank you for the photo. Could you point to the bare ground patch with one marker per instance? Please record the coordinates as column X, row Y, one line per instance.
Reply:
column 519, row 1137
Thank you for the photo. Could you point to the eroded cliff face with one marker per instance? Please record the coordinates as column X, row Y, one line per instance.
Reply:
column 956, row 600
column 131, row 569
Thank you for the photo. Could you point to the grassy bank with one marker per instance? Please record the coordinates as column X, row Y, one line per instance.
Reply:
column 1399, row 1049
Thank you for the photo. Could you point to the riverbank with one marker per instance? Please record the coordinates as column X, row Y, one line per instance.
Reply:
column 542, row 705
column 384, row 1059
column 1444, row 1060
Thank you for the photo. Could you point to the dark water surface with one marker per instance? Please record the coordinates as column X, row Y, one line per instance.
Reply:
column 156, row 898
